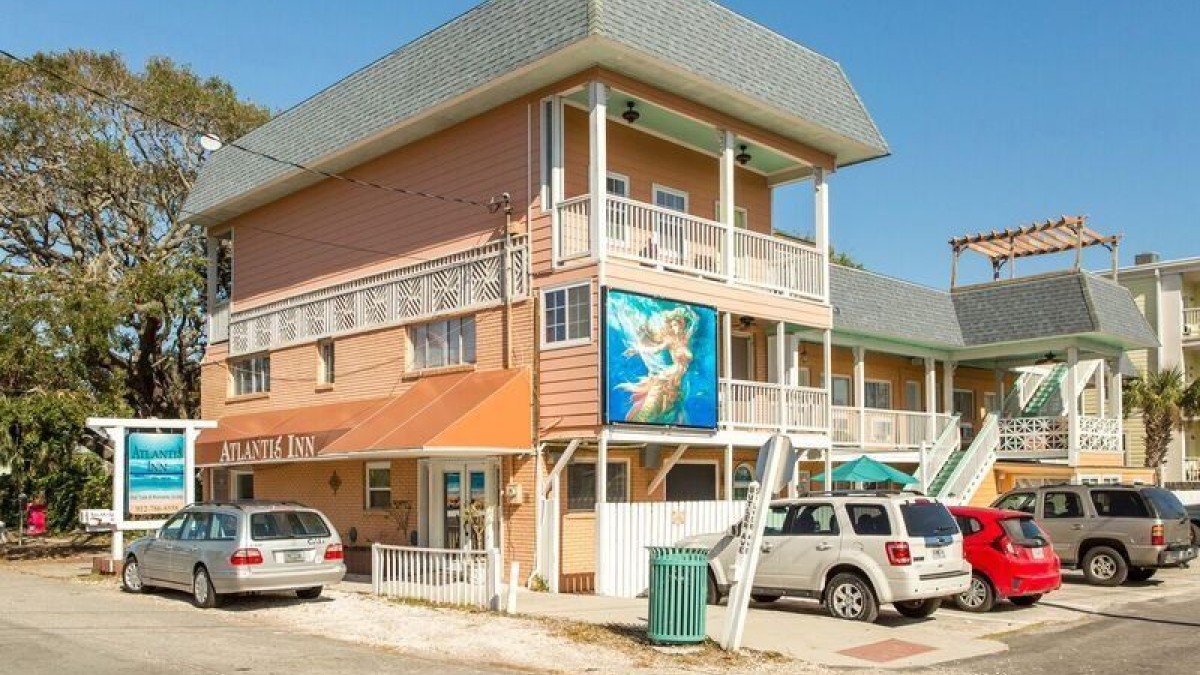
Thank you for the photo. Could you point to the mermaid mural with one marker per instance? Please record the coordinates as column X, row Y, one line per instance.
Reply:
column 661, row 365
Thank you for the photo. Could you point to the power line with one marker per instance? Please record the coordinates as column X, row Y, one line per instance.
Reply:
column 233, row 144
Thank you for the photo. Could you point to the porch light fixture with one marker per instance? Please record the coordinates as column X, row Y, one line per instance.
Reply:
column 803, row 353
column 1048, row 360
column 630, row 114
column 746, row 321
column 743, row 157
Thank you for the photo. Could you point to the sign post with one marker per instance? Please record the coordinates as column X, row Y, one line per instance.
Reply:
column 776, row 465
column 154, row 471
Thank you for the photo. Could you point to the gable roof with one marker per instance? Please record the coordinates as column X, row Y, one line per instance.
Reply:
column 500, row 50
column 1076, row 303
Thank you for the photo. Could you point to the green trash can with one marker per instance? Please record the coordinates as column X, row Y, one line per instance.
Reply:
column 678, row 595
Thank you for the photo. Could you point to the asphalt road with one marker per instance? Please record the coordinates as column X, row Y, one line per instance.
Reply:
column 48, row 626
column 1158, row 637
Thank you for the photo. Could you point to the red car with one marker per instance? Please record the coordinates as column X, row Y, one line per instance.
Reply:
column 1011, row 556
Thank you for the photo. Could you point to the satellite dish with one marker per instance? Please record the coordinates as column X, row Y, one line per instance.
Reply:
column 210, row 142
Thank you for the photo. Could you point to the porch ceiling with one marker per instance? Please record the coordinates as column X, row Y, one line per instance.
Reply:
column 686, row 131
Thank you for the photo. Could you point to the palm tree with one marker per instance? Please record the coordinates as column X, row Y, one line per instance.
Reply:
column 1164, row 400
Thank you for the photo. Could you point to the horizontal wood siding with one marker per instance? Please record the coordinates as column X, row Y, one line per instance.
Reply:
column 569, row 377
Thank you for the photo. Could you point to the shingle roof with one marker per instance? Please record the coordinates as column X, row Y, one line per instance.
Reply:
column 1057, row 305
column 500, row 37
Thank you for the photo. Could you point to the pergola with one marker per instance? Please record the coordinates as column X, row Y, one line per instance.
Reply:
column 1067, row 233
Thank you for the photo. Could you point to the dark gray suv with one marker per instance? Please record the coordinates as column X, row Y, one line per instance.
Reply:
column 1111, row 532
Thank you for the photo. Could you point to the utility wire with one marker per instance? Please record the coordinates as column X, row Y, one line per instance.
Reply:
column 233, row 144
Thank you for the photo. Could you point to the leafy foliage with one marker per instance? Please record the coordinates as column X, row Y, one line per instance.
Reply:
column 101, row 275
column 1164, row 399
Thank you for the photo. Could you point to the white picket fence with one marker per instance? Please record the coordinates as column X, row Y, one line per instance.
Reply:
column 624, row 530
column 439, row 575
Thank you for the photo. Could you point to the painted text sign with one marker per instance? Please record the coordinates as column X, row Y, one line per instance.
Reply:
column 154, row 474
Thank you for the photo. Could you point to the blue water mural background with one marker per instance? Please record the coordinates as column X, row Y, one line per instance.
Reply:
column 624, row 312
column 154, row 467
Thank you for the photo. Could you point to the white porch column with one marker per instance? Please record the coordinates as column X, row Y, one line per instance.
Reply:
column 1101, row 394
column 780, row 339
column 827, row 374
column 792, row 362
column 1072, row 401
column 998, row 375
column 821, row 219
column 727, row 365
column 728, row 213
column 931, row 397
column 828, row 469
column 728, row 472
column 601, row 549
column 598, row 166
column 860, row 392
column 948, row 368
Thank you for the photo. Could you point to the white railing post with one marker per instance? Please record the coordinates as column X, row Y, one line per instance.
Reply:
column 924, row 466
column 728, row 215
column 493, row 579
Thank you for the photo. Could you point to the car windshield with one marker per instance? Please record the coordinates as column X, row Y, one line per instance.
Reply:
column 1166, row 504
column 287, row 525
column 1023, row 531
column 927, row 519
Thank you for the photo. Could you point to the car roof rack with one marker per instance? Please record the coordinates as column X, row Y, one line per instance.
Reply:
column 863, row 493
column 242, row 503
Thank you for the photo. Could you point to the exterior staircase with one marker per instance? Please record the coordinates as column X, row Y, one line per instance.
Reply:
column 1046, row 394
column 965, row 470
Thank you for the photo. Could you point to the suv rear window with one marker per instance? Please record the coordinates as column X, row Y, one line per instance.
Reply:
column 869, row 519
column 927, row 519
column 1165, row 503
column 1119, row 504
column 1023, row 531
column 287, row 525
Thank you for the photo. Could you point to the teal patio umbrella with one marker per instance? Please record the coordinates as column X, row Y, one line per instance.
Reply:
column 866, row 470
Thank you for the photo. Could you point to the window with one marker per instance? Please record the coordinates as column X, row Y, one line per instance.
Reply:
column 687, row 482
column 777, row 520
column 991, row 402
column 877, row 394
column 740, row 218
column 969, row 526
column 325, row 372
column 927, row 519
column 379, row 485
column 617, row 184
column 1166, row 504
column 741, row 357
column 671, row 230
column 1018, row 501
column 567, row 315
column 670, row 198
column 964, row 406
column 1119, row 504
column 841, row 391
column 1061, row 505
column 287, row 525
column 618, row 212
column 869, row 519
column 743, row 475
column 813, row 519
column 437, row 344
column 241, row 485
column 173, row 527
column 223, row 527
column 251, row 375
column 196, row 527
column 804, row 377
column 581, row 484
column 912, row 396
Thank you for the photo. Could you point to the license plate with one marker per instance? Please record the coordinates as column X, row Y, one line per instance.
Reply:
column 937, row 554
column 293, row 557
column 1037, row 553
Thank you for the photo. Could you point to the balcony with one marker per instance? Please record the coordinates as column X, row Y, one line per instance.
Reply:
column 764, row 406
column 685, row 244
column 1049, row 437
column 1191, row 470
column 1191, row 324
column 873, row 428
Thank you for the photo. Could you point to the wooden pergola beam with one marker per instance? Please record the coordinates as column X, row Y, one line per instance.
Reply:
column 1061, row 235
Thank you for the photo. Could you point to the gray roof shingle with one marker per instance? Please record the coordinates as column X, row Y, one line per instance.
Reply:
column 1056, row 305
column 499, row 37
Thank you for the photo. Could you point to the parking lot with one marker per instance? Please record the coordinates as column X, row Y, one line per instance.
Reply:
column 801, row 629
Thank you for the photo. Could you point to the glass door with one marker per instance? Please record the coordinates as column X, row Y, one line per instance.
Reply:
column 464, row 509
column 451, row 510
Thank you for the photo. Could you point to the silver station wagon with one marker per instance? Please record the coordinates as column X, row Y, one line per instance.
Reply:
column 217, row 549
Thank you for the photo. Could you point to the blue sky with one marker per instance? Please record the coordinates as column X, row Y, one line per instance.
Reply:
column 997, row 113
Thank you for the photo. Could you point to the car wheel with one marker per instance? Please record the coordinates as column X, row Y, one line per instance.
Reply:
column 309, row 593
column 1105, row 566
column 1141, row 573
column 850, row 597
column 918, row 609
column 203, row 595
column 980, row 597
column 1026, row 600
column 131, row 577
column 761, row 597
column 713, row 596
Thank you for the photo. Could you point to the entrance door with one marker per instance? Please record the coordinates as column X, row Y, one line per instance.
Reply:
column 241, row 485
column 463, row 505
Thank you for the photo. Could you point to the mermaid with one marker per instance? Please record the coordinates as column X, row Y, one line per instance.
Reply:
column 657, row 398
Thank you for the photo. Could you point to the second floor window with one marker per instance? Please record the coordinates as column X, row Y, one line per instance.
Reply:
column 877, row 395
column 325, row 371
column 251, row 375
column 450, row 342
column 568, row 315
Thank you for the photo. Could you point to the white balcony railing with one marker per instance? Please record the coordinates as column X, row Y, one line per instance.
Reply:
column 885, row 429
column 218, row 323
column 1191, row 470
column 679, row 242
column 1050, row 436
column 1191, row 323
column 475, row 278
column 756, row 406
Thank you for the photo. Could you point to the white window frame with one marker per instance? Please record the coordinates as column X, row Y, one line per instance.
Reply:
column 619, row 231
column 237, row 362
column 890, row 392
column 326, row 375
column 994, row 405
column 737, row 210
column 919, row 403
column 804, row 376
column 849, row 390
column 569, row 342
column 463, row 362
column 621, row 178
column 749, row 337
column 234, row 474
column 656, row 188
column 742, row 485
column 367, row 489
column 592, row 460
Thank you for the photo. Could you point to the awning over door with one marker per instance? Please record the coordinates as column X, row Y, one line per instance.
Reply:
column 477, row 413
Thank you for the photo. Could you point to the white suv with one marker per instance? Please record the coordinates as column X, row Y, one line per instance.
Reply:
column 853, row 551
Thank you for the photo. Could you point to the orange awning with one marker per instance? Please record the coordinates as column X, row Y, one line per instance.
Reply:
column 469, row 413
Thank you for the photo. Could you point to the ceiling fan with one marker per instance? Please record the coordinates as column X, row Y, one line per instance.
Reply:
column 1048, row 360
